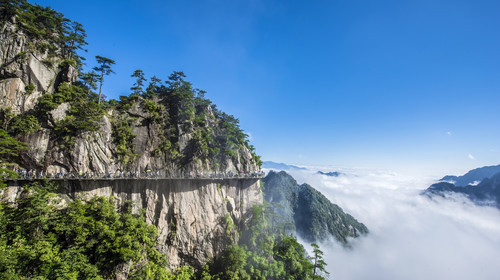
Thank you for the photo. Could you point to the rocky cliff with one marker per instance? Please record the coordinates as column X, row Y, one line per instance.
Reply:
column 196, row 219
column 169, row 129
column 28, row 67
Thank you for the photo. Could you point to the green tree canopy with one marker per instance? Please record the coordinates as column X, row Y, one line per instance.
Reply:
column 83, row 240
column 74, row 39
column 89, row 80
column 138, row 87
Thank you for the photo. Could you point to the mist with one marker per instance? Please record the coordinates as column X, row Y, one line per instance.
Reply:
column 411, row 236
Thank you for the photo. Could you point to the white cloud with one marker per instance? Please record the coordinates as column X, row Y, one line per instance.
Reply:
column 448, row 132
column 471, row 157
column 411, row 236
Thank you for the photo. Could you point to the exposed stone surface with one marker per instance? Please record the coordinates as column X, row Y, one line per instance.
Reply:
column 11, row 94
column 190, row 214
column 22, row 64
column 38, row 143
column 40, row 74
column 60, row 112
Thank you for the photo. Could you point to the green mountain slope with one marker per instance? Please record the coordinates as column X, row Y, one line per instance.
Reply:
column 309, row 212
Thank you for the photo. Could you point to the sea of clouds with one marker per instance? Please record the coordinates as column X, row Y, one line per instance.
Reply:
column 411, row 236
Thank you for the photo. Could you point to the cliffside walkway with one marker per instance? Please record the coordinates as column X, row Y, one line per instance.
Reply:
column 109, row 177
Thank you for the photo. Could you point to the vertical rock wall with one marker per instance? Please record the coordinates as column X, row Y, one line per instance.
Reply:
column 21, row 64
column 191, row 215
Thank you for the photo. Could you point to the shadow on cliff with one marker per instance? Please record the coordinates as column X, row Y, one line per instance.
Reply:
column 134, row 186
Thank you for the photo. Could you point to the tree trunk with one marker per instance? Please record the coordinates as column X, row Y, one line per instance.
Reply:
column 100, row 87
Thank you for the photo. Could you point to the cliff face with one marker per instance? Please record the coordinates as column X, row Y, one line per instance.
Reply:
column 172, row 129
column 23, row 65
column 166, row 132
column 196, row 219
column 96, row 152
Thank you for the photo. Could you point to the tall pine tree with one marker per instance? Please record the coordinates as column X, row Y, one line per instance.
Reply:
column 105, row 69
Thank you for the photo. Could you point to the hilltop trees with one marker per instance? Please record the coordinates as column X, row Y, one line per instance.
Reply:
column 89, row 80
column 139, row 84
column 152, row 89
column 38, row 22
column 54, row 30
column 74, row 40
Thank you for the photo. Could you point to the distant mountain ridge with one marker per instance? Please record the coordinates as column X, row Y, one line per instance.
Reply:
column 486, row 192
column 305, row 210
column 331, row 174
column 475, row 175
column 280, row 166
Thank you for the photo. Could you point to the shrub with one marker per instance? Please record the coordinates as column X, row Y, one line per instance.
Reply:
column 84, row 240
column 28, row 89
column 123, row 138
column 23, row 124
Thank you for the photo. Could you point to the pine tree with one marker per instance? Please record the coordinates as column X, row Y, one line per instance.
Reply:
column 9, row 148
column 139, row 84
column 90, row 80
column 105, row 69
column 319, row 263
column 74, row 37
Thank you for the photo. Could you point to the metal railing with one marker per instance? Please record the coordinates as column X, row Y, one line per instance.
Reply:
column 23, row 174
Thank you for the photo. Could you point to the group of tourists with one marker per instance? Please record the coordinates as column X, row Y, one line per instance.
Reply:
column 36, row 174
column 229, row 174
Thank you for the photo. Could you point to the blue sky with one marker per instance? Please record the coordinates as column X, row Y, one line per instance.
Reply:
column 382, row 84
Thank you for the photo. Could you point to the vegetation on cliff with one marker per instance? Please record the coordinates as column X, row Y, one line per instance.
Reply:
column 265, row 251
column 49, row 30
column 187, row 128
column 43, row 238
column 9, row 149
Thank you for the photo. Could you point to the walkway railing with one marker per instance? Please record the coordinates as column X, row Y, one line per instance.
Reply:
column 33, row 175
